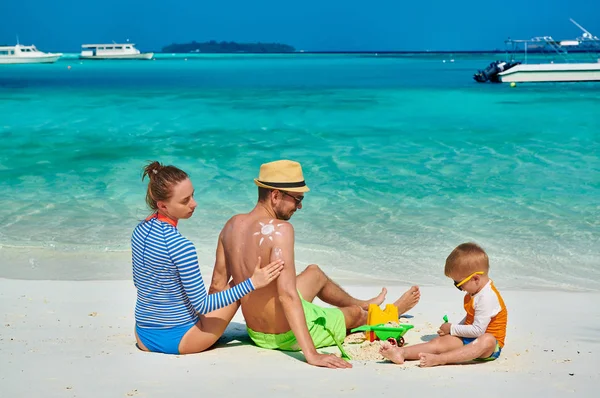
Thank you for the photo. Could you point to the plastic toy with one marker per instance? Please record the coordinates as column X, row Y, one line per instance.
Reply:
column 381, row 332
column 376, row 316
column 322, row 322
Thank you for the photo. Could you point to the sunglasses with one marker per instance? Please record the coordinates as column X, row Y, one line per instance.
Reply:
column 298, row 199
column 468, row 278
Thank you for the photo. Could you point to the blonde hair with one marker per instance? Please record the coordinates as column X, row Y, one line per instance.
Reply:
column 465, row 259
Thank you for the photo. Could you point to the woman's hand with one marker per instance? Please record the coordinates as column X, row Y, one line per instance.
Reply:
column 263, row 276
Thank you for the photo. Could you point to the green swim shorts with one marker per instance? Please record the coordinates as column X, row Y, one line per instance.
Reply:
column 325, row 326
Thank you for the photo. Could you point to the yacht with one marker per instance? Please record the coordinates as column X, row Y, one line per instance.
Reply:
column 572, row 61
column 112, row 51
column 19, row 54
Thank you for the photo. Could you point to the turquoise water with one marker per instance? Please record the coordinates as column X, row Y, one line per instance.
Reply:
column 406, row 157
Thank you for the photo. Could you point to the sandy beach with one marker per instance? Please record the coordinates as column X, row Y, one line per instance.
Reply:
column 75, row 339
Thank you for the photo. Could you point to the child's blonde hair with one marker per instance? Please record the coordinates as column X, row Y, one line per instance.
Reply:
column 465, row 259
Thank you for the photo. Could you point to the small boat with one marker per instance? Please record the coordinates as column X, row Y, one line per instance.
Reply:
column 19, row 54
column 568, row 72
column 565, row 67
column 113, row 51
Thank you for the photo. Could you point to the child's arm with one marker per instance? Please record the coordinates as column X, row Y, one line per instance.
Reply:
column 486, row 307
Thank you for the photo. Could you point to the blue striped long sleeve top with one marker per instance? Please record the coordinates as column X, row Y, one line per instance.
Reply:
column 170, row 289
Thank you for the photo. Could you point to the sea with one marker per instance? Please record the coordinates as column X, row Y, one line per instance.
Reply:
column 406, row 157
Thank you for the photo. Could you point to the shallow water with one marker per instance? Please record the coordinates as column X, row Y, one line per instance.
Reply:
column 406, row 157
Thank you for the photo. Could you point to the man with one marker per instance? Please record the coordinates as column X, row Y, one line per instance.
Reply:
column 282, row 315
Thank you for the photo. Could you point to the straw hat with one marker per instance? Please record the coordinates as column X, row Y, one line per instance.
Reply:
column 285, row 175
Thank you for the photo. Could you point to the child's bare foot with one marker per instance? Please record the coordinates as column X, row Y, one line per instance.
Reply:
column 429, row 360
column 375, row 300
column 408, row 300
column 394, row 354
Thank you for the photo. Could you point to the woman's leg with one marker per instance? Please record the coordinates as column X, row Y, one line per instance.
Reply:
column 207, row 330
column 139, row 343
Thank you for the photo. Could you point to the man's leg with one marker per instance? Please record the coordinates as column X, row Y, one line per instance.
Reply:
column 408, row 300
column 313, row 282
column 438, row 345
column 354, row 316
column 481, row 347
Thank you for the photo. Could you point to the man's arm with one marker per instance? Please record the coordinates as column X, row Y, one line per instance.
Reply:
column 283, row 248
column 221, row 275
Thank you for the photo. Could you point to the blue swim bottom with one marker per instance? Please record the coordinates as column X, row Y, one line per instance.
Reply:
column 163, row 340
column 495, row 354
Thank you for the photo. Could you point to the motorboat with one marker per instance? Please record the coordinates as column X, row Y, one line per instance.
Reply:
column 20, row 54
column 571, row 61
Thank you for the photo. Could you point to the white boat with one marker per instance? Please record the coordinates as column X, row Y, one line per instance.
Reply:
column 567, row 72
column 112, row 51
column 19, row 54
column 565, row 67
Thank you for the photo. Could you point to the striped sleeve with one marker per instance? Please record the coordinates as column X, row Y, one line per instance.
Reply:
column 183, row 254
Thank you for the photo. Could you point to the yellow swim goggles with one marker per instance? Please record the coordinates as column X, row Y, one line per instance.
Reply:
column 468, row 278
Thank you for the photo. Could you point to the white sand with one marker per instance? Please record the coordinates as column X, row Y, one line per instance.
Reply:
column 74, row 339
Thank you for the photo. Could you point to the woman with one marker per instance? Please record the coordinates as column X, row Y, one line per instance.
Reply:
column 173, row 313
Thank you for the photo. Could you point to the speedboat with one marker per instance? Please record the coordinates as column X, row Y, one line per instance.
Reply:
column 568, row 63
column 19, row 54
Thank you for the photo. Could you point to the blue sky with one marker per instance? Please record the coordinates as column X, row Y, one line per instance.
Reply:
column 309, row 24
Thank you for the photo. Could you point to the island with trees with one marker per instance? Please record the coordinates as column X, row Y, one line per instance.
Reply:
column 228, row 47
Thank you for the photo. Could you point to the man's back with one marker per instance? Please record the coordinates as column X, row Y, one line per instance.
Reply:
column 246, row 237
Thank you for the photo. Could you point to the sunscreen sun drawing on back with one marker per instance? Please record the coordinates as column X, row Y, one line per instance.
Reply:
column 267, row 230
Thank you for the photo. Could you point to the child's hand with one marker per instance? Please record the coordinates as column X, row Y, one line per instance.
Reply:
column 444, row 329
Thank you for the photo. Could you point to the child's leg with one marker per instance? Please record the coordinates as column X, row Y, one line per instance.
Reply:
column 481, row 347
column 436, row 346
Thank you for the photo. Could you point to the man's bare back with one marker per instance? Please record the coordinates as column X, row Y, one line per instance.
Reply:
column 246, row 237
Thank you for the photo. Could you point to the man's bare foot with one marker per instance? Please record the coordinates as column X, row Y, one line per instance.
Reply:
column 408, row 300
column 394, row 354
column 380, row 298
column 429, row 360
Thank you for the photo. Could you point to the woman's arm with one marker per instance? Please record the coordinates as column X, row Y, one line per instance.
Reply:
column 184, row 256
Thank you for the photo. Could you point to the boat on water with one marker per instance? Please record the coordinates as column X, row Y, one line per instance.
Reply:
column 572, row 61
column 113, row 51
column 20, row 54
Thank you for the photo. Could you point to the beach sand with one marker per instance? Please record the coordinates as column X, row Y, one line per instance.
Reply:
column 75, row 339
